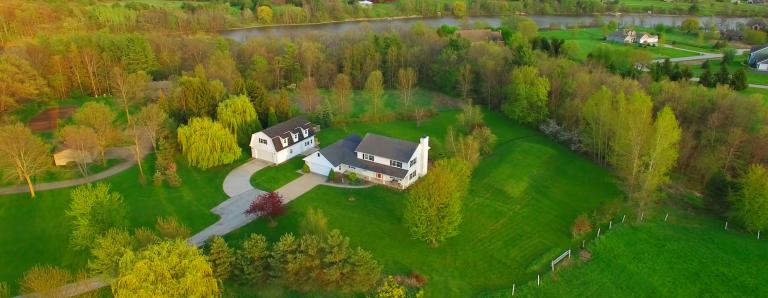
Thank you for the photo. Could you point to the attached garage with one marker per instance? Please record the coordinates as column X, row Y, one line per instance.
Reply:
column 318, row 164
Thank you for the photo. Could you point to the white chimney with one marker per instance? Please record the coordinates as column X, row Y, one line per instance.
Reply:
column 423, row 155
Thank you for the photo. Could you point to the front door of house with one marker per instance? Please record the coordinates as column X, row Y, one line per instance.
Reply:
column 378, row 175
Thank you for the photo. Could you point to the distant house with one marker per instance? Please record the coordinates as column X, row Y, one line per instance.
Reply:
column 481, row 35
column 648, row 39
column 623, row 36
column 630, row 36
column 379, row 159
column 283, row 141
column 758, row 57
column 756, row 1
column 365, row 3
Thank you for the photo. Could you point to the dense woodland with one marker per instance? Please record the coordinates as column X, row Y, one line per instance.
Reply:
column 176, row 85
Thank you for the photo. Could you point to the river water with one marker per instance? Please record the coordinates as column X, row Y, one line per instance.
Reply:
column 544, row 21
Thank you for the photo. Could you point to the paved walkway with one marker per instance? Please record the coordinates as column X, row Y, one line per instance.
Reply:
column 239, row 180
column 113, row 153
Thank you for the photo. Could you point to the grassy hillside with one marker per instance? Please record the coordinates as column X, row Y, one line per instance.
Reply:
column 696, row 258
column 522, row 201
column 590, row 38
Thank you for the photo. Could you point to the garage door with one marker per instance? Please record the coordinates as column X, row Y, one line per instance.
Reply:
column 319, row 169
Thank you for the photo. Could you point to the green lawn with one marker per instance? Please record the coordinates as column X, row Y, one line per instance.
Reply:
column 36, row 231
column 753, row 77
column 522, row 202
column 694, row 258
column 706, row 7
column 590, row 38
column 274, row 177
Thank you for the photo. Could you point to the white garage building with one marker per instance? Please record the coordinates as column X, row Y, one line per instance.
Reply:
column 283, row 141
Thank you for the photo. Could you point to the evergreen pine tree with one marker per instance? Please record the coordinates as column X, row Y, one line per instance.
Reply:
column 706, row 78
column 739, row 80
column 723, row 77
column 221, row 258
column 251, row 262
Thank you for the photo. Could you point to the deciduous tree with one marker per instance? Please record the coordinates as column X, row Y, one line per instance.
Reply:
column 205, row 143
column 101, row 118
column 84, row 142
column 44, row 280
column 434, row 207
column 107, row 251
column 406, row 80
column 167, row 269
column 527, row 96
column 22, row 154
column 308, row 94
column 238, row 115
column 267, row 204
column 19, row 82
column 374, row 86
column 314, row 222
column 750, row 202
column 170, row 228
column 94, row 210
column 342, row 95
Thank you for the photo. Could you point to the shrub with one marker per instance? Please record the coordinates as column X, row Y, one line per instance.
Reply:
column 305, row 168
column 170, row 228
column 352, row 177
column 581, row 226
column 332, row 176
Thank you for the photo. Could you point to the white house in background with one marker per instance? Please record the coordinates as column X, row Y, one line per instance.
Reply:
column 379, row 159
column 622, row 36
column 283, row 141
column 365, row 3
column 648, row 39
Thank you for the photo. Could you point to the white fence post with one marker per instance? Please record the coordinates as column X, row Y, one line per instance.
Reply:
column 513, row 289
column 665, row 217
column 582, row 243
column 623, row 217
column 610, row 225
column 726, row 226
column 538, row 279
column 598, row 232
column 642, row 214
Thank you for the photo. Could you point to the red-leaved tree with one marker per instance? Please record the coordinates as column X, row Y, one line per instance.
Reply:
column 269, row 204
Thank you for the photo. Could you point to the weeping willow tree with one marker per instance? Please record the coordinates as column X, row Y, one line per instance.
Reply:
column 205, row 143
column 239, row 116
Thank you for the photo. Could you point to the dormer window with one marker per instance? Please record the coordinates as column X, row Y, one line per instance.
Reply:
column 284, row 141
column 413, row 162
column 396, row 164
column 305, row 132
column 295, row 137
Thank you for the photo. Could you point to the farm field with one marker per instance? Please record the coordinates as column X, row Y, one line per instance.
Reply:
column 522, row 201
column 692, row 258
column 36, row 231
column 590, row 38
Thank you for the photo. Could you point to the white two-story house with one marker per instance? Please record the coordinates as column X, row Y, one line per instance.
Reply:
column 379, row 159
column 283, row 141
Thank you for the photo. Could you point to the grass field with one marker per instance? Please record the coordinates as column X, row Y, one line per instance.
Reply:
column 36, row 231
column 693, row 258
column 753, row 77
column 706, row 7
column 274, row 177
column 522, row 201
column 590, row 38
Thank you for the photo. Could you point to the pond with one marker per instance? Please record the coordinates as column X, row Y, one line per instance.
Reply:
column 544, row 21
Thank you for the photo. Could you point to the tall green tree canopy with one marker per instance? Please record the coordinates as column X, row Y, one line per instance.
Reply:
column 527, row 96
column 94, row 210
column 168, row 269
column 205, row 143
column 22, row 154
column 750, row 202
column 239, row 116
column 434, row 207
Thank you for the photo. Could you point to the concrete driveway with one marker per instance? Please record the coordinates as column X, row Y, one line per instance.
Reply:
column 232, row 211
column 239, row 180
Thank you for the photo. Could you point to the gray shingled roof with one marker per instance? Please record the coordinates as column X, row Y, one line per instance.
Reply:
column 284, row 129
column 342, row 151
column 387, row 147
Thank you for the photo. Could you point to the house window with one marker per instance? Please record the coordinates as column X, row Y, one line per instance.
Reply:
column 413, row 175
column 367, row 157
column 413, row 162
column 290, row 151
column 395, row 163
column 318, row 154
column 263, row 141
